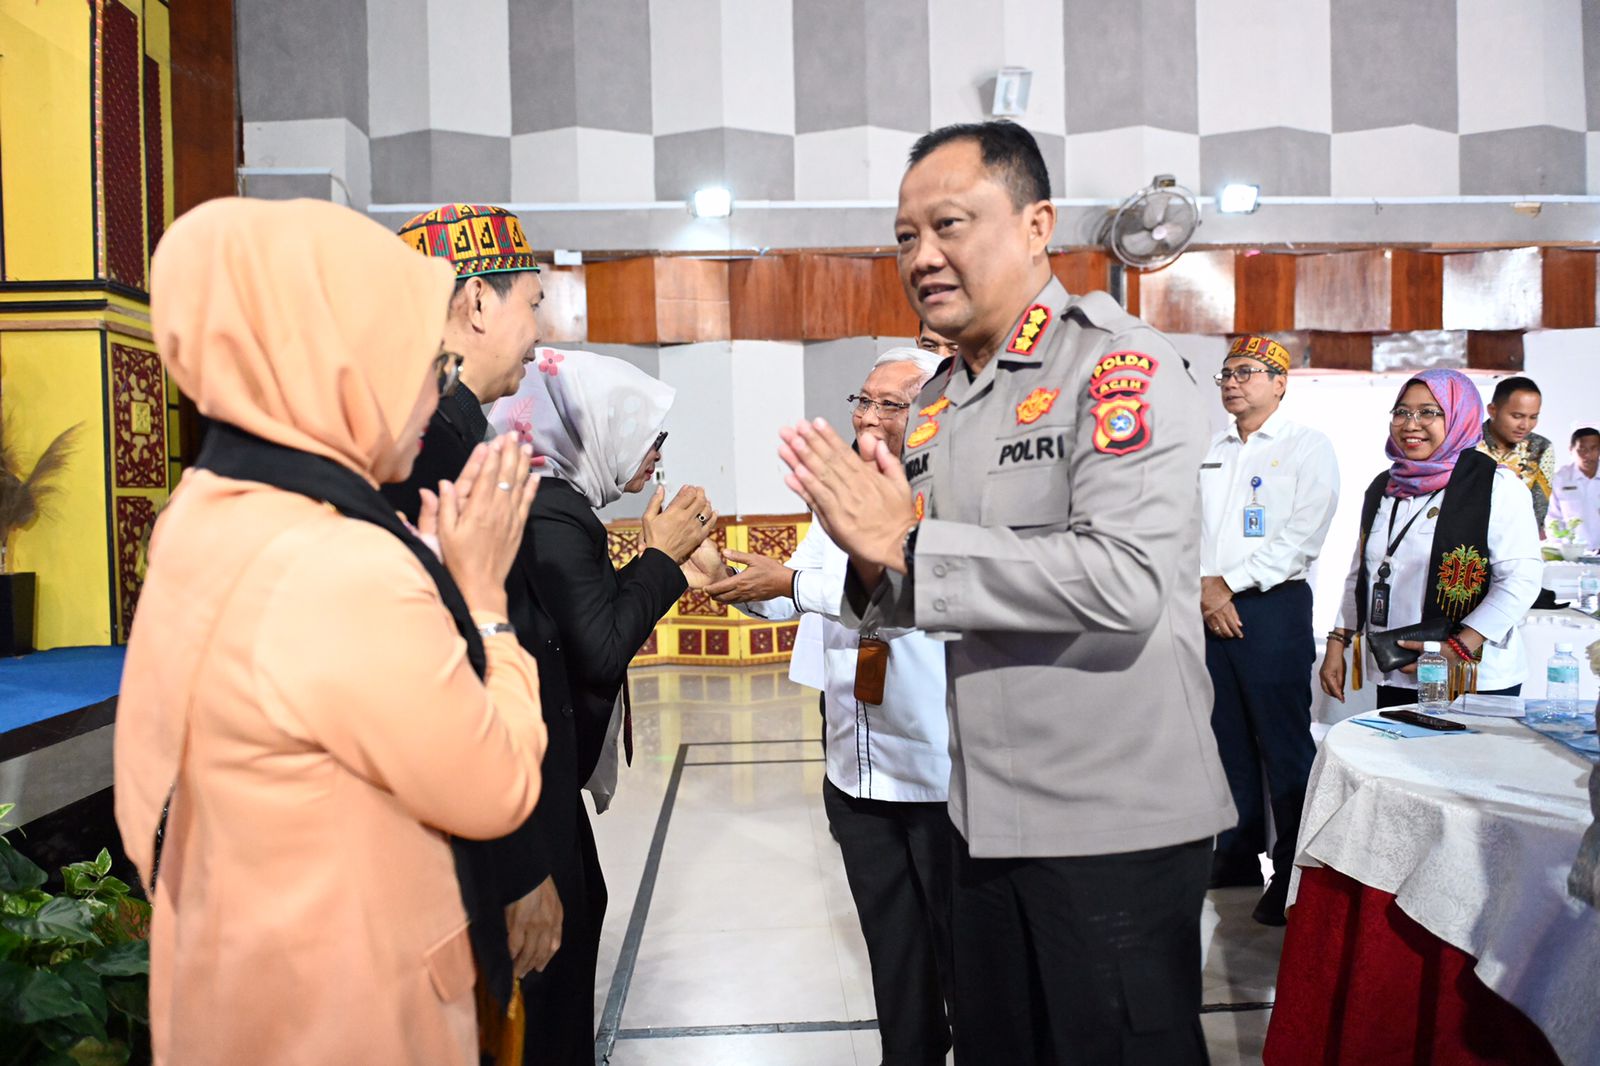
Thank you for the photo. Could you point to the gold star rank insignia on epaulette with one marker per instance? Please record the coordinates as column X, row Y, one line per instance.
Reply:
column 1030, row 330
column 934, row 409
column 1036, row 406
column 922, row 434
column 921, row 504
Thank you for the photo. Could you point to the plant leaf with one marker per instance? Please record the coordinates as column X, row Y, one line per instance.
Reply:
column 86, row 985
column 63, row 919
column 126, row 959
column 131, row 997
column 44, row 995
column 94, row 1052
column 18, row 873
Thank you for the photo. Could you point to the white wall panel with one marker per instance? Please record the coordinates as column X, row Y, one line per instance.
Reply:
column 1264, row 63
column 757, row 58
column 1398, row 161
column 1520, row 64
column 469, row 67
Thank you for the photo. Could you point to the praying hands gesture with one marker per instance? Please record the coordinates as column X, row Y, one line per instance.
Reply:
column 1216, row 607
column 863, row 501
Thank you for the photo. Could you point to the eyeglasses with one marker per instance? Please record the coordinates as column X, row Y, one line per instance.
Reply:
column 1423, row 418
column 447, row 371
column 1241, row 374
column 886, row 408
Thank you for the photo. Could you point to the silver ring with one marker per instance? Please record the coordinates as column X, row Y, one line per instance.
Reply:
column 504, row 486
column 703, row 519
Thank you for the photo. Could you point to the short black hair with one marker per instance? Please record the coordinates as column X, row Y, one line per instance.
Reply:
column 1582, row 432
column 1503, row 391
column 502, row 282
column 1007, row 148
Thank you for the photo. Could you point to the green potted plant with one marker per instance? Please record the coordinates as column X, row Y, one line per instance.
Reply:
column 74, row 968
column 1565, row 532
column 21, row 499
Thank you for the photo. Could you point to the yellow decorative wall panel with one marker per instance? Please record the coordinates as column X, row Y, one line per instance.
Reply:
column 61, row 374
column 47, row 168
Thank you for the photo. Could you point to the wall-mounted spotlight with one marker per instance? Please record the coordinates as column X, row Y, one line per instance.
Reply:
column 1011, row 85
column 1239, row 199
column 715, row 202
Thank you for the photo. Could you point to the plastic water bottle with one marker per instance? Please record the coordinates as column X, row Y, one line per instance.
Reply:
column 1561, row 683
column 1433, row 679
column 1589, row 589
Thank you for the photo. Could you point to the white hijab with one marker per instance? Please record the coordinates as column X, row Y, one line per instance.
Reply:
column 592, row 417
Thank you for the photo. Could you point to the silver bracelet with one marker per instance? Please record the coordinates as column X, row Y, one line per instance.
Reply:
column 496, row 628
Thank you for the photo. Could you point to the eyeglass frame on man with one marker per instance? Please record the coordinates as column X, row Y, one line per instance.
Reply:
column 447, row 372
column 885, row 408
column 1241, row 374
column 1399, row 416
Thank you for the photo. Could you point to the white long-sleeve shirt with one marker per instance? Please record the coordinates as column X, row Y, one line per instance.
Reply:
column 1298, row 494
column 1514, row 573
column 898, row 750
column 1574, row 496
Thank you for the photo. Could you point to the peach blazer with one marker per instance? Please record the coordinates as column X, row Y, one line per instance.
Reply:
column 296, row 675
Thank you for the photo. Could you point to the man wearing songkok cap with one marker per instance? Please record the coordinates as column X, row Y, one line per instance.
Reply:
column 1268, row 490
column 538, row 917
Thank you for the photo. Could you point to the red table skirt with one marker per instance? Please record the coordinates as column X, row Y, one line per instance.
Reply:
column 1359, row 982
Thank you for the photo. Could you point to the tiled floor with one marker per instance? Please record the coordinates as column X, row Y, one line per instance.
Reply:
column 749, row 953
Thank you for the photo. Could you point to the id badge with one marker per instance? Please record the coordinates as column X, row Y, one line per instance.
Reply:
column 872, row 669
column 1255, row 520
column 1380, row 605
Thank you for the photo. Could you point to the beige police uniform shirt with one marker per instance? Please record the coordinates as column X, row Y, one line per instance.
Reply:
column 1060, row 546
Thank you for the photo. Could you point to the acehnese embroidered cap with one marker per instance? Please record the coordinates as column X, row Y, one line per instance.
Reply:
column 475, row 238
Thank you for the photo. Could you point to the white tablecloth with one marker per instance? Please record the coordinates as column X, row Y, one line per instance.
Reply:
column 1474, row 836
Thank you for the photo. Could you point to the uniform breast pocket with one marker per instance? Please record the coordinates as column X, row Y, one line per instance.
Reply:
column 1276, row 496
column 1029, row 482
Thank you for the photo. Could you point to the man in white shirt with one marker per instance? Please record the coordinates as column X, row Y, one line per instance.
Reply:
column 888, row 759
column 1268, row 490
column 1575, row 494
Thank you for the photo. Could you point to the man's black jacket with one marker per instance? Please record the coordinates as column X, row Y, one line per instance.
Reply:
column 509, row 868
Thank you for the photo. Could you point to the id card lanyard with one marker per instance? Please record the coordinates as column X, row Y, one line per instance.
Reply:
column 1379, row 614
column 1255, row 515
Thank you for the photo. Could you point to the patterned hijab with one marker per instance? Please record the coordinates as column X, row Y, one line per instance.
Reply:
column 592, row 417
column 1458, row 397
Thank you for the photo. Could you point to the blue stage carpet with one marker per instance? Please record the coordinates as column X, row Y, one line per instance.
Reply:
column 47, row 683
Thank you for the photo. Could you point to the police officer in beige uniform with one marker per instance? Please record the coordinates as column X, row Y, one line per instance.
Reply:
column 1049, row 531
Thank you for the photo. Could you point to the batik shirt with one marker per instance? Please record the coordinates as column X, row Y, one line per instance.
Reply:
column 1533, row 461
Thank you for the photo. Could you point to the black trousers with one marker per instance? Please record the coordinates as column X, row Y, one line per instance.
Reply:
column 1091, row 960
column 897, row 858
column 560, row 1001
column 1399, row 696
column 1262, row 719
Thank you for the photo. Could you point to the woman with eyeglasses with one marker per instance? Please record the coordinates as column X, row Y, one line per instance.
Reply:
column 596, row 422
column 315, row 701
column 1447, row 542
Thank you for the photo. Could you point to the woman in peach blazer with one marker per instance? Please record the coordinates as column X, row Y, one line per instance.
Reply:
column 295, row 681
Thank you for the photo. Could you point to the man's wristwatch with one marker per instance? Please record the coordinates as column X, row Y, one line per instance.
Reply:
column 496, row 628
column 908, row 547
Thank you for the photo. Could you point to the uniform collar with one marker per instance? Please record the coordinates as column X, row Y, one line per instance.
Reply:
column 962, row 386
column 1269, row 429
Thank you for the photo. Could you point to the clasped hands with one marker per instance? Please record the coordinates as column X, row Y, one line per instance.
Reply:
column 1217, row 608
column 862, row 500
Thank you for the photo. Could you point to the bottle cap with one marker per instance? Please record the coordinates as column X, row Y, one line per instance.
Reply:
column 1563, row 649
column 1430, row 645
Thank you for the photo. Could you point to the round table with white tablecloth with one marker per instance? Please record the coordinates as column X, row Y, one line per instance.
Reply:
column 1469, row 838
